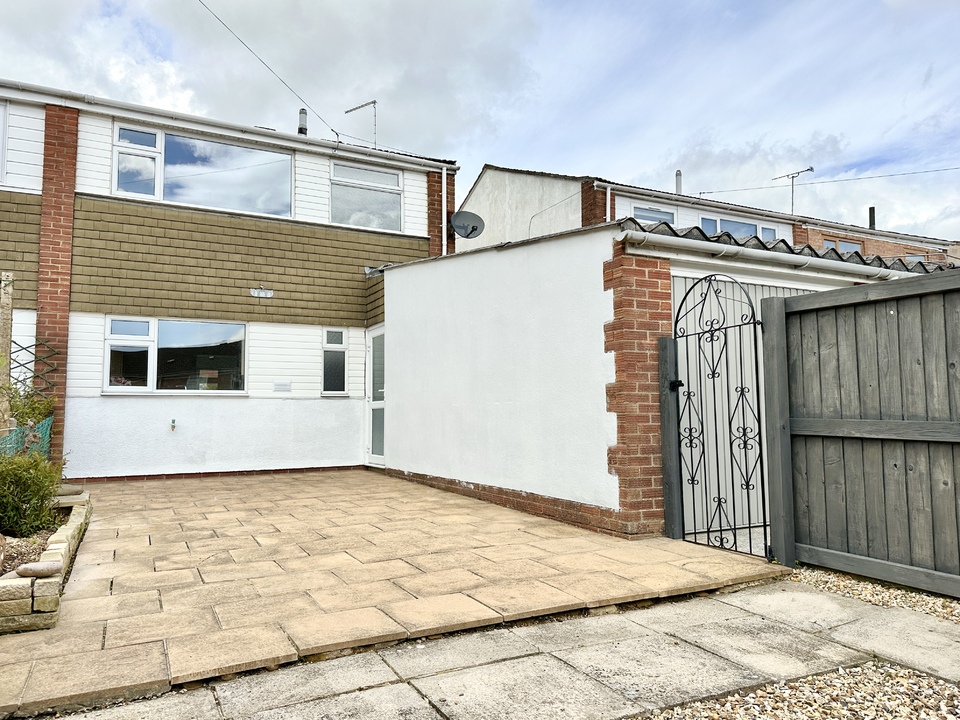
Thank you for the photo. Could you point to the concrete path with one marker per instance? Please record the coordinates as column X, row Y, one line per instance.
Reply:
column 185, row 580
column 604, row 666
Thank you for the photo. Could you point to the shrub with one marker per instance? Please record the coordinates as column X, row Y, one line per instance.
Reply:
column 28, row 484
column 27, row 404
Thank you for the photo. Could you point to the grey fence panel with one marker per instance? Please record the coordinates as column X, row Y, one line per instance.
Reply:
column 865, row 448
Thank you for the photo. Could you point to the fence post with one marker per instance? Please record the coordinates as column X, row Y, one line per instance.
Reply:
column 6, row 347
column 670, row 439
column 777, row 415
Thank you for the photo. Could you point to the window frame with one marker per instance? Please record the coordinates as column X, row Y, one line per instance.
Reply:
column 718, row 219
column 151, row 343
column 4, row 114
column 645, row 208
column 346, row 182
column 158, row 154
column 344, row 348
column 837, row 245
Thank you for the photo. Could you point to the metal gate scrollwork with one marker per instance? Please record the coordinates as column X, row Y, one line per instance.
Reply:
column 721, row 448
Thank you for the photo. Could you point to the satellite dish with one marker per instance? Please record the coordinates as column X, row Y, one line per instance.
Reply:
column 466, row 224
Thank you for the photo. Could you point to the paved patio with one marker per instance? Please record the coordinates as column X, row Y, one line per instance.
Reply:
column 183, row 580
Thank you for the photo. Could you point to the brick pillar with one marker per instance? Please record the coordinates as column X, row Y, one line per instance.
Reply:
column 56, row 250
column 800, row 236
column 436, row 218
column 593, row 204
column 643, row 313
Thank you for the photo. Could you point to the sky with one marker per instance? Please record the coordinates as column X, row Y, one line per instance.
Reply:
column 732, row 92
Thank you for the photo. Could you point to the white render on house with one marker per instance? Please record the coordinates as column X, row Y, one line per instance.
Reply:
column 496, row 369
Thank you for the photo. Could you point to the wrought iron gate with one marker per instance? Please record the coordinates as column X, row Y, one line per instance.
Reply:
column 721, row 463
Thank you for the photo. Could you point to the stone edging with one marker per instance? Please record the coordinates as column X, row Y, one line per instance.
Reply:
column 28, row 603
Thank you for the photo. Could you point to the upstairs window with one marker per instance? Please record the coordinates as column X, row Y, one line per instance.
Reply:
column 366, row 197
column 842, row 246
column 737, row 228
column 206, row 173
column 144, row 355
column 652, row 215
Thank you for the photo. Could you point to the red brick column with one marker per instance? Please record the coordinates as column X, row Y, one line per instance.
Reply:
column 593, row 204
column 435, row 217
column 56, row 249
column 642, row 311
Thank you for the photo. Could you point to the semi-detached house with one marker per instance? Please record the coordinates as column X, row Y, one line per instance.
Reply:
column 205, row 284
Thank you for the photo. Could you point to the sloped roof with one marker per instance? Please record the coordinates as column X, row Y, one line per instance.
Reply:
column 782, row 246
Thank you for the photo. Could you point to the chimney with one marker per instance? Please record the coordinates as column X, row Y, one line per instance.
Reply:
column 873, row 218
column 302, row 128
column 679, row 183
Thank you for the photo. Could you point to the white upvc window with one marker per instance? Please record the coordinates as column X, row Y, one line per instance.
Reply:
column 365, row 196
column 334, row 361
column 201, row 172
column 149, row 355
column 650, row 214
column 739, row 229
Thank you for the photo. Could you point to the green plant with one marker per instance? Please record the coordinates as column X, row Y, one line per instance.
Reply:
column 27, row 404
column 28, row 484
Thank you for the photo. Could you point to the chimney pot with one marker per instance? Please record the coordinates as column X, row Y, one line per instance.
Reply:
column 873, row 218
column 302, row 128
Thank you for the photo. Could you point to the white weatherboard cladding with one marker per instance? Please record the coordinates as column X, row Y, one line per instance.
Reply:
column 517, row 206
column 130, row 435
column 24, row 334
column 496, row 372
column 415, row 203
column 311, row 188
column 94, row 154
column 23, row 147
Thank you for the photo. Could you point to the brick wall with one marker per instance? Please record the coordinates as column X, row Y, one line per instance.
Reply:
column 642, row 311
column 154, row 260
column 56, row 250
column 593, row 204
column 871, row 246
column 20, row 244
column 435, row 218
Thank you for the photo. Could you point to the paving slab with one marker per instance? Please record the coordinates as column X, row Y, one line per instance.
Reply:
column 525, row 599
column 564, row 633
column 166, row 624
column 140, row 581
column 100, row 677
column 429, row 657
column 670, row 616
column 798, row 605
column 195, row 657
column 442, row 582
column 245, row 571
column 208, row 594
column 770, row 648
column 349, row 597
column 324, row 632
column 258, row 611
column 906, row 637
column 199, row 704
column 441, row 614
column 656, row 671
column 63, row 640
column 668, row 579
column 597, row 589
column 393, row 702
column 523, row 688
column 300, row 683
column 13, row 678
column 371, row 572
column 106, row 608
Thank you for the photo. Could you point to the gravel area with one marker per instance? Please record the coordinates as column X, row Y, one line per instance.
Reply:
column 879, row 593
column 874, row 690
column 23, row 550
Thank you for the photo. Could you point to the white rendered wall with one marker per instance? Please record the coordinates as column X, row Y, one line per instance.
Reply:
column 109, row 435
column 517, row 206
column 496, row 370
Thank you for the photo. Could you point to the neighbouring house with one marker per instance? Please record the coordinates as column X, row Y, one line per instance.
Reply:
column 520, row 204
column 204, row 284
column 544, row 391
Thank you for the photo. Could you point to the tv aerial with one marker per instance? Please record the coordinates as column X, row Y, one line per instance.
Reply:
column 466, row 224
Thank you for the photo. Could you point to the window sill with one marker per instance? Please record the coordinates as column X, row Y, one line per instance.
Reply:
column 174, row 393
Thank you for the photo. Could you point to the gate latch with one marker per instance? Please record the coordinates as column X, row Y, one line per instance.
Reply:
column 675, row 385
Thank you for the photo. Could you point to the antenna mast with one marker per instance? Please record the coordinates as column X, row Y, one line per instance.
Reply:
column 793, row 176
column 367, row 104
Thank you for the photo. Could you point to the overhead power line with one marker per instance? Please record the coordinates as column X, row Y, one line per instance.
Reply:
column 829, row 182
column 264, row 63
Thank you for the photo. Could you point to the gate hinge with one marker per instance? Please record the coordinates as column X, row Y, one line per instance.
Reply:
column 675, row 385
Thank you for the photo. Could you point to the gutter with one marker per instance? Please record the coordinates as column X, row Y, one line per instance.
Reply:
column 674, row 198
column 634, row 239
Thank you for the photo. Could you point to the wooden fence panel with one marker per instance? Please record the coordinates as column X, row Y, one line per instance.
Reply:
column 869, row 429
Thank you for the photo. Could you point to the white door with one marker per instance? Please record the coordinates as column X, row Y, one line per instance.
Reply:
column 375, row 396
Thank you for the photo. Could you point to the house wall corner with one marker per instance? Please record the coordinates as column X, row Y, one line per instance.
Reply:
column 437, row 216
column 593, row 204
